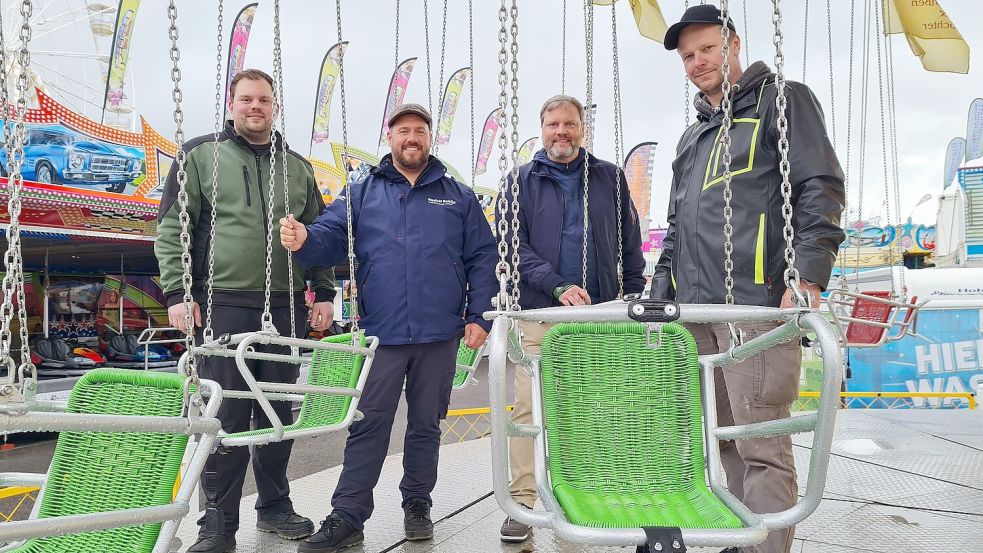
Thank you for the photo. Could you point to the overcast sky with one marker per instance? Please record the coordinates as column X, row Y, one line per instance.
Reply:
column 931, row 107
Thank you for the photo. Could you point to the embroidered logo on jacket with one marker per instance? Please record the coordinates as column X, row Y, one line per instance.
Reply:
column 441, row 201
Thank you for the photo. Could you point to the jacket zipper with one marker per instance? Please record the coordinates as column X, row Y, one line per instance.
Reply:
column 245, row 180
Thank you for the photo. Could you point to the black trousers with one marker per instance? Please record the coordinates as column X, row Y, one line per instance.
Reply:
column 428, row 370
column 225, row 470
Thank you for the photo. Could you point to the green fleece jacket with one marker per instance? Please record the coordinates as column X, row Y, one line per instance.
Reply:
column 241, row 223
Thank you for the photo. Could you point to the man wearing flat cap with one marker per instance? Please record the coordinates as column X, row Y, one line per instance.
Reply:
column 426, row 273
column 760, row 472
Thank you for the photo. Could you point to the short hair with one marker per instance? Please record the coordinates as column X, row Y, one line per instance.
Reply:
column 252, row 75
column 556, row 101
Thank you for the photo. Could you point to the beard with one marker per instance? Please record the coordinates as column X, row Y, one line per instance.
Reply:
column 410, row 163
column 562, row 151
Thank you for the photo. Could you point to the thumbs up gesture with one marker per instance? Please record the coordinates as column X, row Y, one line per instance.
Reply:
column 292, row 233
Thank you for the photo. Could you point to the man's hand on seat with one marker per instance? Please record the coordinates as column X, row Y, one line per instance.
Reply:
column 575, row 295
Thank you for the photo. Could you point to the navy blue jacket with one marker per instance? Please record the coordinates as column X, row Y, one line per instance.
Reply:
column 541, row 225
column 426, row 255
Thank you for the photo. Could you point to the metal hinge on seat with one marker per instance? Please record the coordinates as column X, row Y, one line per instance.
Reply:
column 662, row 540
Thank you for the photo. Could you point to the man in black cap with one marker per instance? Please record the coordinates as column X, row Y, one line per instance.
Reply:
column 760, row 472
column 426, row 273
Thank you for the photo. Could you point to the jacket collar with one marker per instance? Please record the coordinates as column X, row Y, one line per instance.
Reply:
column 752, row 77
column 538, row 167
column 231, row 134
column 434, row 171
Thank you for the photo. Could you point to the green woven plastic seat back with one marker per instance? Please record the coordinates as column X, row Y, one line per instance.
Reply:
column 95, row 472
column 466, row 357
column 624, row 428
column 334, row 368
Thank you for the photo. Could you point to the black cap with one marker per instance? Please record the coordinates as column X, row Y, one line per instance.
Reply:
column 704, row 13
column 406, row 109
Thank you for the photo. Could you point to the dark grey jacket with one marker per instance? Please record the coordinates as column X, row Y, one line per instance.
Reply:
column 691, row 267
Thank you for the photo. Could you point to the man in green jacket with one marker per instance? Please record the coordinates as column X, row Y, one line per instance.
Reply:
column 238, row 240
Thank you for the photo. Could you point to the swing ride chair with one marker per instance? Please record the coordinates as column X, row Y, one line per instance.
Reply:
column 621, row 401
column 111, row 483
column 873, row 318
column 329, row 400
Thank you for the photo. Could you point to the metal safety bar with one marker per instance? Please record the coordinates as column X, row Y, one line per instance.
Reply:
column 504, row 336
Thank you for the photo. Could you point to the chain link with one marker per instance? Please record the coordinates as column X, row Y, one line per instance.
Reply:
column 440, row 81
column 396, row 53
column 805, row 40
column 426, row 40
column 515, row 155
column 893, row 120
column 267, row 317
column 207, row 334
column 725, row 108
column 13, row 279
column 791, row 273
column 686, row 84
column 745, row 39
column 832, row 87
column 563, row 53
column 589, row 129
column 278, row 73
column 471, row 89
column 184, row 217
column 345, row 158
column 503, row 270
column 619, row 145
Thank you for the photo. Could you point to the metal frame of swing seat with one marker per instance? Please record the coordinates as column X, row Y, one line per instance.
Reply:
column 471, row 369
column 504, row 345
column 841, row 301
column 239, row 346
column 205, row 426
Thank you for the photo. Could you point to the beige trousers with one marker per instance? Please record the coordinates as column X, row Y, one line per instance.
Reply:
column 521, row 458
column 760, row 472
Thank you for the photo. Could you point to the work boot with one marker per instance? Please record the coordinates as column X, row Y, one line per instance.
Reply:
column 416, row 520
column 213, row 543
column 335, row 534
column 212, row 537
column 288, row 525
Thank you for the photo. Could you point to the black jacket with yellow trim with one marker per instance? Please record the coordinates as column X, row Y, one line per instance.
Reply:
column 691, row 267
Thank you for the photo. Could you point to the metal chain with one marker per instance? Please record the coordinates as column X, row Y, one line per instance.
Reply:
column 725, row 109
column 345, row 157
column 440, row 82
column 426, row 40
column 13, row 279
column 563, row 53
column 791, row 273
column 515, row 155
column 207, row 334
column 619, row 145
column 471, row 89
column 589, row 129
column 182, row 197
column 396, row 54
column 893, row 120
column 745, row 39
column 278, row 79
column 862, row 155
column 832, row 88
column 267, row 317
column 805, row 40
column 849, row 120
column 503, row 270
column 686, row 81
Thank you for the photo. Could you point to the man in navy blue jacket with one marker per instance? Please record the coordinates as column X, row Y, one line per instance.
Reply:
column 554, row 270
column 426, row 272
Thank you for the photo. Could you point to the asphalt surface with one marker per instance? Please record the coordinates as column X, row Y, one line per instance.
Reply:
column 32, row 453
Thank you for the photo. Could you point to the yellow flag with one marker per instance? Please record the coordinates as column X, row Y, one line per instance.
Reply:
column 932, row 36
column 648, row 17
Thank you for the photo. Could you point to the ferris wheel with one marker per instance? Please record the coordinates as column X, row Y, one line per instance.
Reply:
column 73, row 58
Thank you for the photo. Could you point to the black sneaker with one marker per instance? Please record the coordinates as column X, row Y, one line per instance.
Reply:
column 731, row 550
column 213, row 543
column 288, row 525
column 416, row 520
column 335, row 534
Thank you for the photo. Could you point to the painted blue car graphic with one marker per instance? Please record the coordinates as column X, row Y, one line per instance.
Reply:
column 56, row 155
